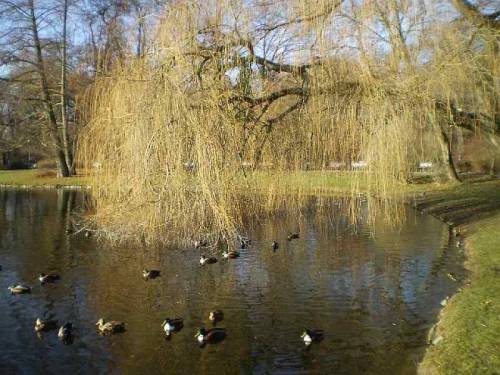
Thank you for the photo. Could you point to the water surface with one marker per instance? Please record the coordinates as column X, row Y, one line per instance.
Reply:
column 375, row 296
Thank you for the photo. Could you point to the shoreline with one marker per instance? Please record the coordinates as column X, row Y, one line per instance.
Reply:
column 463, row 328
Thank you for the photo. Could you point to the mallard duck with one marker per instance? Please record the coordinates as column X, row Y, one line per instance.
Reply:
column 45, row 325
column 212, row 335
column 245, row 242
column 275, row 245
column 310, row 336
column 110, row 327
column 204, row 260
column 64, row 332
column 172, row 325
column 200, row 243
column 150, row 274
column 215, row 316
column 48, row 278
column 230, row 254
column 293, row 236
column 19, row 289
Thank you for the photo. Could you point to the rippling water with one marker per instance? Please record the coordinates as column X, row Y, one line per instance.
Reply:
column 375, row 296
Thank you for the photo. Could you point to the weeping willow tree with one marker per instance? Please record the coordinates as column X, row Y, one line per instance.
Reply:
column 232, row 87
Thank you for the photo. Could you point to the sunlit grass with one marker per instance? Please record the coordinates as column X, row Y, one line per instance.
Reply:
column 470, row 324
column 40, row 178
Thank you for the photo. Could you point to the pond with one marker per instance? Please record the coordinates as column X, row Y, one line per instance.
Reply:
column 375, row 295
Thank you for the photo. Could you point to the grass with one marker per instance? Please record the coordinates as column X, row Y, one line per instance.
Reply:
column 39, row 178
column 470, row 323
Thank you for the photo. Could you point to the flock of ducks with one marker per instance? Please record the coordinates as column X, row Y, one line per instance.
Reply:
column 169, row 325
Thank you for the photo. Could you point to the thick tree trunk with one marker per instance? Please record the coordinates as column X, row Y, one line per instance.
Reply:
column 62, row 167
column 448, row 156
column 67, row 147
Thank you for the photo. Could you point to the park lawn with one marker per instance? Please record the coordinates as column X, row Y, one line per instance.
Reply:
column 470, row 323
column 40, row 178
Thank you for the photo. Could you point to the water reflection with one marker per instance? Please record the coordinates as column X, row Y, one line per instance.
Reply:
column 374, row 296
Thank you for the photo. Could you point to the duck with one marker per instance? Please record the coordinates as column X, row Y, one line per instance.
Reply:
column 310, row 336
column 230, row 254
column 275, row 245
column 204, row 260
column 45, row 325
column 293, row 236
column 110, row 327
column 245, row 242
column 48, row 278
column 212, row 335
column 19, row 289
column 88, row 233
column 150, row 274
column 64, row 332
column 200, row 243
column 215, row 316
column 172, row 325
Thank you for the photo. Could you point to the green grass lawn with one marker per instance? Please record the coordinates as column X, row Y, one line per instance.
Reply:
column 470, row 323
column 39, row 178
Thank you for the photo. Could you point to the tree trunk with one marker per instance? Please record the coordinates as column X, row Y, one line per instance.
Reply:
column 448, row 156
column 62, row 167
column 67, row 147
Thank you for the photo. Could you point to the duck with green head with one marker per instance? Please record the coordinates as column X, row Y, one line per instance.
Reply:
column 172, row 325
column 45, row 278
column 309, row 336
column 150, row 274
column 212, row 335
column 207, row 260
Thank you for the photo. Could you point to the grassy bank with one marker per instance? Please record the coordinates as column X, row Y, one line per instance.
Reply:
column 40, row 178
column 470, row 323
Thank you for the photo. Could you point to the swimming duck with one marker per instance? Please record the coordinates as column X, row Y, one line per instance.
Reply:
column 310, row 336
column 172, row 325
column 19, row 289
column 110, row 327
column 45, row 325
column 215, row 316
column 275, row 245
column 212, row 335
column 150, row 274
column 204, row 260
column 245, row 242
column 200, row 243
column 292, row 236
column 48, row 278
column 230, row 254
column 64, row 332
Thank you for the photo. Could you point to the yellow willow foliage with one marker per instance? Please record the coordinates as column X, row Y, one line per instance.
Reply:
column 177, row 140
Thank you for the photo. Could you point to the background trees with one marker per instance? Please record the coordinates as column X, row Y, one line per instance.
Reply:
column 50, row 51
